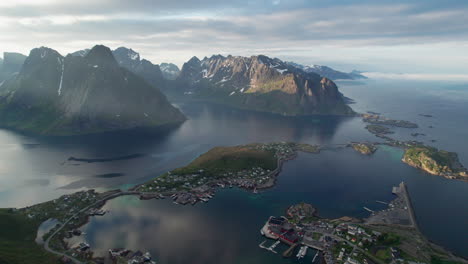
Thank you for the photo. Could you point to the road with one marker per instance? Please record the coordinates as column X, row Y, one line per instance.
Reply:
column 46, row 244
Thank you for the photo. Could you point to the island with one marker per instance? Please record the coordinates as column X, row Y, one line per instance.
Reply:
column 434, row 161
column 378, row 129
column 387, row 236
column 364, row 148
column 379, row 120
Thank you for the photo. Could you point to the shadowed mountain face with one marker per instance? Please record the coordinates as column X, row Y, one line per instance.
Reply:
column 259, row 83
column 10, row 64
column 130, row 60
column 71, row 95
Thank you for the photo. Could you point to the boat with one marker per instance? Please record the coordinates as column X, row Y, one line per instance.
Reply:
column 302, row 252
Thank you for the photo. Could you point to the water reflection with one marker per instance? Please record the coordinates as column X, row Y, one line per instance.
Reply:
column 35, row 169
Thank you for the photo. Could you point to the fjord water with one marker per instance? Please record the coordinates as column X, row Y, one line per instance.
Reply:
column 227, row 228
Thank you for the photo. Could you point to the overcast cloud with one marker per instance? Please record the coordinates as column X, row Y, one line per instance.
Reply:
column 416, row 37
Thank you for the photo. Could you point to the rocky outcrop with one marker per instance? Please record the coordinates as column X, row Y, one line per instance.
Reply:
column 364, row 148
column 56, row 95
column 302, row 211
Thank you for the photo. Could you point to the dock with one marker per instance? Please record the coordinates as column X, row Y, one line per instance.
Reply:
column 289, row 251
column 404, row 191
column 270, row 248
column 367, row 209
column 316, row 254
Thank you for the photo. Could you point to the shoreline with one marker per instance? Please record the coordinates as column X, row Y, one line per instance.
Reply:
column 216, row 184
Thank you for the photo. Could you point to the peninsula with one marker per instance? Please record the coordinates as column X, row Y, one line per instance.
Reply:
column 252, row 167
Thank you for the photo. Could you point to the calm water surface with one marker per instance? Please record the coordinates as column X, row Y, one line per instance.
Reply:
column 227, row 228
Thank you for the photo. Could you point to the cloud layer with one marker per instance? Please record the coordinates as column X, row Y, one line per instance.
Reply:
column 424, row 36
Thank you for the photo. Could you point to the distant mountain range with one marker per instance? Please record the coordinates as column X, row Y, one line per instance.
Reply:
column 259, row 83
column 10, row 64
column 84, row 94
column 97, row 90
column 329, row 72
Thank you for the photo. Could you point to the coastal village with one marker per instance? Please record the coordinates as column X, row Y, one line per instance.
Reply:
column 259, row 169
column 346, row 240
column 253, row 168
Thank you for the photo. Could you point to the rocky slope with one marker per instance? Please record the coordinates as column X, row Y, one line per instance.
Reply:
column 434, row 161
column 330, row 73
column 71, row 95
column 260, row 83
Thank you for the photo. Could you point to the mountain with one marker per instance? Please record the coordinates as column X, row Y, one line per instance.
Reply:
column 259, row 83
column 10, row 64
column 56, row 95
column 170, row 71
column 80, row 53
column 130, row 60
column 329, row 73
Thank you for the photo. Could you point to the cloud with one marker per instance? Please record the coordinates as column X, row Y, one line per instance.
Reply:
column 414, row 76
column 176, row 30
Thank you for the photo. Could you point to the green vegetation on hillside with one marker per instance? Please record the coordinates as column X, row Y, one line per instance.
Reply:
column 230, row 159
column 434, row 161
column 17, row 240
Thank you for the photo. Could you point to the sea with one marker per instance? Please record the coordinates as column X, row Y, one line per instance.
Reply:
column 338, row 182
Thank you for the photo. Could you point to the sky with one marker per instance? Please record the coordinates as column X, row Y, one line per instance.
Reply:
column 411, row 38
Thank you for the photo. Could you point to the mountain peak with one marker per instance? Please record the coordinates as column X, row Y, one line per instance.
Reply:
column 193, row 60
column 43, row 52
column 130, row 53
column 100, row 53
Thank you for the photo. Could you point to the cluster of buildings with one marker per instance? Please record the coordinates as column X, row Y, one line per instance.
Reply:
column 356, row 234
column 280, row 228
column 121, row 255
column 282, row 150
column 62, row 207
column 194, row 187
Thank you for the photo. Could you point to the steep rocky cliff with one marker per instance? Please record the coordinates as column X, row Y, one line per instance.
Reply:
column 71, row 95
column 260, row 83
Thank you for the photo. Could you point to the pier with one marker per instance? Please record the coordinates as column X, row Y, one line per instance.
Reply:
column 315, row 257
column 270, row 248
column 404, row 191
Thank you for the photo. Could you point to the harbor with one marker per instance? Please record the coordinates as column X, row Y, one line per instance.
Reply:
column 345, row 240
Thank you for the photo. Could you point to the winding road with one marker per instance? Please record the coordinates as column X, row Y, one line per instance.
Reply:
column 111, row 196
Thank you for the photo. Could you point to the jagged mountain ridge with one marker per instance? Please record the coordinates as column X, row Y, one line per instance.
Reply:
column 328, row 72
column 58, row 95
column 260, row 83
